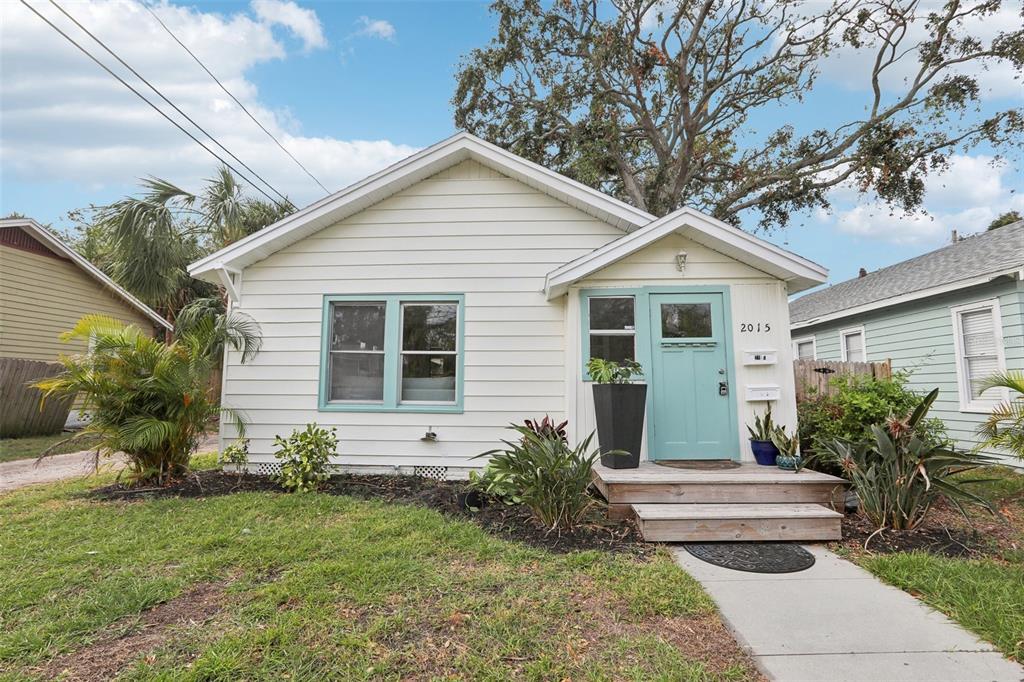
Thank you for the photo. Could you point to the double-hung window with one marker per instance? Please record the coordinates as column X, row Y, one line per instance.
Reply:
column 852, row 345
column 393, row 352
column 612, row 327
column 978, row 338
column 803, row 349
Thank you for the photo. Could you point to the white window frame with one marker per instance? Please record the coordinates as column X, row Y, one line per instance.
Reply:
column 963, row 383
column 805, row 339
column 850, row 331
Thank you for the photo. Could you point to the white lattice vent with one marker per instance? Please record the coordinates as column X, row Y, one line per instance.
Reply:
column 268, row 468
column 435, row 473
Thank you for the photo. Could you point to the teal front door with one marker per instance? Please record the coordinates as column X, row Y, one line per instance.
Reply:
column 692, row 393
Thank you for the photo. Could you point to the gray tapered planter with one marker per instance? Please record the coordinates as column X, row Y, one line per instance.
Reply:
column 619, row 411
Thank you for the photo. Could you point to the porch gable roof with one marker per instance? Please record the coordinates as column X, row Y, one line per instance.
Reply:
column 798, row 272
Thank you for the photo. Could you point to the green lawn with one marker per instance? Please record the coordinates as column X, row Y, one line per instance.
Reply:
column 319, row 586
column 31, row 447
column 984, row 595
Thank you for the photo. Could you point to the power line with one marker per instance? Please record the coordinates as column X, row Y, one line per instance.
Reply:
column 156, row 108
column 165, row 99
column 229, row 94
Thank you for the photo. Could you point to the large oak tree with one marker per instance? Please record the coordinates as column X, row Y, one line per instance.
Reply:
column 652, row 101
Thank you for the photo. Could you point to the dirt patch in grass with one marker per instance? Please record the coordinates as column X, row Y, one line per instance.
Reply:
column 126, row 640
column 509, row 522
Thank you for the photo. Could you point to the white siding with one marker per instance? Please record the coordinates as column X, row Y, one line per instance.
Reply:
column 755, row 297
column 466, row 230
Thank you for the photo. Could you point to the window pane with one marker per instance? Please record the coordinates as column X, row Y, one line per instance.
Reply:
column 358, row 326
column 611, row 313
column 686, row 320
column 429, row 327
column 978, row 332
column 854, row 347
column 357, row 376
column 429, row 378
column 616, row 348
column 805, row 350
column 980, row 368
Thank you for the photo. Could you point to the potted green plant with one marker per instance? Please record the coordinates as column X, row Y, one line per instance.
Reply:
column 788, row 446
column 765, row 451
column 619, row 406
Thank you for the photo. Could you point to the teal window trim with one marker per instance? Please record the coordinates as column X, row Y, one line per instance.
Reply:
column 392, row 353
column 641, row 318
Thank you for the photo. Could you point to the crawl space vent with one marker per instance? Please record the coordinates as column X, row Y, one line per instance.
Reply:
column 435, row 473
column 268, row 468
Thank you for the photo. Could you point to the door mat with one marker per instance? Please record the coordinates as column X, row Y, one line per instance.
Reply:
column 753, row 557
column 700, row 464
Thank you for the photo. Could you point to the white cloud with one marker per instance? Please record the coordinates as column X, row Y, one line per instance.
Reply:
column 974, row 182
column 65, row 120
column 301, row 22
column 375, row 28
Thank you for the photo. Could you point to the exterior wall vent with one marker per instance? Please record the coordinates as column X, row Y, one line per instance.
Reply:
column 434, row 473
column 268, row 469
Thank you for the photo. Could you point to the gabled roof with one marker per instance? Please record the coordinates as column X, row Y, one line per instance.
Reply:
column 44, row 236
column 973, row 260
column 406, row 173
column 799, row 273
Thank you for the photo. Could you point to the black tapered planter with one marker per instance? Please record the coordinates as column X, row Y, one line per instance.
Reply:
column 619, row 411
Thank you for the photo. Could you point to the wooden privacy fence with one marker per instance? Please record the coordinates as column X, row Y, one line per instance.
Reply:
column 813, row 376
column 19, row 404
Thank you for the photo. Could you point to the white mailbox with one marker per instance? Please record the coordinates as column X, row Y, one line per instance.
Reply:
column 762, row 392
column 760, row 357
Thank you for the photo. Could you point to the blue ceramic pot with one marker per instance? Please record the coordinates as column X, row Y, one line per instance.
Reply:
column 765, row 452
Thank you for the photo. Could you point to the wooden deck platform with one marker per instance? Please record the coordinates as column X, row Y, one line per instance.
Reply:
column 749, row 502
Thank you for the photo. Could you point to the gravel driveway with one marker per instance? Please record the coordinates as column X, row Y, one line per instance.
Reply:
column 23, row 472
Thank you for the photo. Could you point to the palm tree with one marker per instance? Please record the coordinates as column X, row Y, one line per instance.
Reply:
column 1004, row 428
column 233, row 328
column 148, row 241
column 150, row 400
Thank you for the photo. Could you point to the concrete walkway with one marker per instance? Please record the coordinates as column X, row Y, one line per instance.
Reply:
column 835, row 621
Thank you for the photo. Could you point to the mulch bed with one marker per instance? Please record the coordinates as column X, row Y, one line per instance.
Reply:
column 945, row 532
column 509, row 522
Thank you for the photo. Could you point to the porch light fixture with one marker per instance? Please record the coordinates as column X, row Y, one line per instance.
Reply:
column 681, row 261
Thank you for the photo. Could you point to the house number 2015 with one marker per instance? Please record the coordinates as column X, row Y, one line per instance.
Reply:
column 750, row 327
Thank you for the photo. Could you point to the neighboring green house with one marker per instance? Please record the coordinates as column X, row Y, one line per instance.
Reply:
column 951, row 317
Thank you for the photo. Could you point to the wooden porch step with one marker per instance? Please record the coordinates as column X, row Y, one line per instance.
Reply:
column 748, row 484
column 737, row 521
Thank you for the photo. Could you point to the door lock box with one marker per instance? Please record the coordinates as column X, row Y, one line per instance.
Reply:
column 723, row 388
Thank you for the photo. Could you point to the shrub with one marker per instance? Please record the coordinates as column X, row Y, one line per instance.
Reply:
column 549, row 476
column 609, row 372
column 859, row 402
column 147, row 399
column 1004, row 428
column 898, row 475
column 547, row 428
column 304, row 457
column 495, row 484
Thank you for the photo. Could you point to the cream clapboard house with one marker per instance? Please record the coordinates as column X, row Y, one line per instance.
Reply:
column 45, row 288
column 464, row 288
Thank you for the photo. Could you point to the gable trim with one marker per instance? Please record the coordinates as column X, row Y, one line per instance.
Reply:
column 799, row 272
column 40, row 233
column 406, row 173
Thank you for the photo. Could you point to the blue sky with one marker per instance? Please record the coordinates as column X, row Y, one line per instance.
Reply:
column 350, row 87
